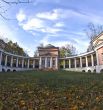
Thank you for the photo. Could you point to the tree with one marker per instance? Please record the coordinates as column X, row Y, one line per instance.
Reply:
column 67, row 50
column 10, row 3
column 36, row 51
column 92, row 32
column 13, row 48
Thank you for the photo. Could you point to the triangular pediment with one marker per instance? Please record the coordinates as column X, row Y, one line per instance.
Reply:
column 98, row 41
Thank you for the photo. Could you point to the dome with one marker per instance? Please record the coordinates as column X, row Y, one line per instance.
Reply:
column 49, row 46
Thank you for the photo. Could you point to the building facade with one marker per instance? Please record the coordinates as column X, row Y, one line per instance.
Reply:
column 48, row 59
column 48, row 56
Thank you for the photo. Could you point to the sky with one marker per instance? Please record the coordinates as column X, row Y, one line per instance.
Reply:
column 56, row 22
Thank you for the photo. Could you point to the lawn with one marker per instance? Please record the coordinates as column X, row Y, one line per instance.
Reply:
column 57, row 90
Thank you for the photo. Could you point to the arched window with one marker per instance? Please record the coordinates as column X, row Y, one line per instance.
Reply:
column 8, row 70
column 14, row 70
column 83, row 70
column 94, row 70
column 3, row 70
column 101, row 70
column 89, row 71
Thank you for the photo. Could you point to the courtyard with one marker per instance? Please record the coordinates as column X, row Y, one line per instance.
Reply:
column 51, row 90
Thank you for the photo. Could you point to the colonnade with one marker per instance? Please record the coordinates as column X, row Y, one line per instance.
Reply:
column 4, row 60
column 79, row 61
column 44, row 62
column 27, row 62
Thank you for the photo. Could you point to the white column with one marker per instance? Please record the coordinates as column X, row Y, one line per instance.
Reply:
column 17, row 62
column 28, row 63
column 6, row 60
column 97, row 57
column 11, row 63
column 33, row 63
column 0, row 57
column 40, row 63
column 56, row 62
column 46, row 62
column 23, row 63
column 86, row 61
column 92, row 59
column 64, row 64
column 69, row 63
column 81, row 62
column 51, row 62
column 75, row 63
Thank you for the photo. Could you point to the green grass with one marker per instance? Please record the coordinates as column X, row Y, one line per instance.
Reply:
column 57, row 90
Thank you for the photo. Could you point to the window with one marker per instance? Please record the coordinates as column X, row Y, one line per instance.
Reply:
column 43, row 62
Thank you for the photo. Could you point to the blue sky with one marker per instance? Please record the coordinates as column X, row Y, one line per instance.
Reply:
column 58, row 22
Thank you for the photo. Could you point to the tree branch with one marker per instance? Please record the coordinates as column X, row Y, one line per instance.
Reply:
column 16, row 2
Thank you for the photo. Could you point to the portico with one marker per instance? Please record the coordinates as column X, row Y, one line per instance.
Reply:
column 48, row 57
column 48, row 62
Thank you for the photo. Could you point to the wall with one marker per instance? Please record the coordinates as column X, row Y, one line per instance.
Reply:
column 100, row 55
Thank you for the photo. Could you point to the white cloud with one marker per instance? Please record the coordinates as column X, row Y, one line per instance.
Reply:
column 33, row 24
column 20, row 16
column 60, row 43
column 36, row 24
column 45, row 40
column 50, row 30
column 6, row 32
column 58, row 14
column 50, row 15
column 59, row 24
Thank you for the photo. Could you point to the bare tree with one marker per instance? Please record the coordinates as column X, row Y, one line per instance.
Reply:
column 4, row 9
column 15, row 2
column 67, row 50
column 92, row 32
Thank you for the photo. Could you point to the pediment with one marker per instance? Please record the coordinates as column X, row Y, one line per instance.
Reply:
column 99, row 41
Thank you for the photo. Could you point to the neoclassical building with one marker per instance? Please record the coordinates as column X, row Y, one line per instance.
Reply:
column 48, row 58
